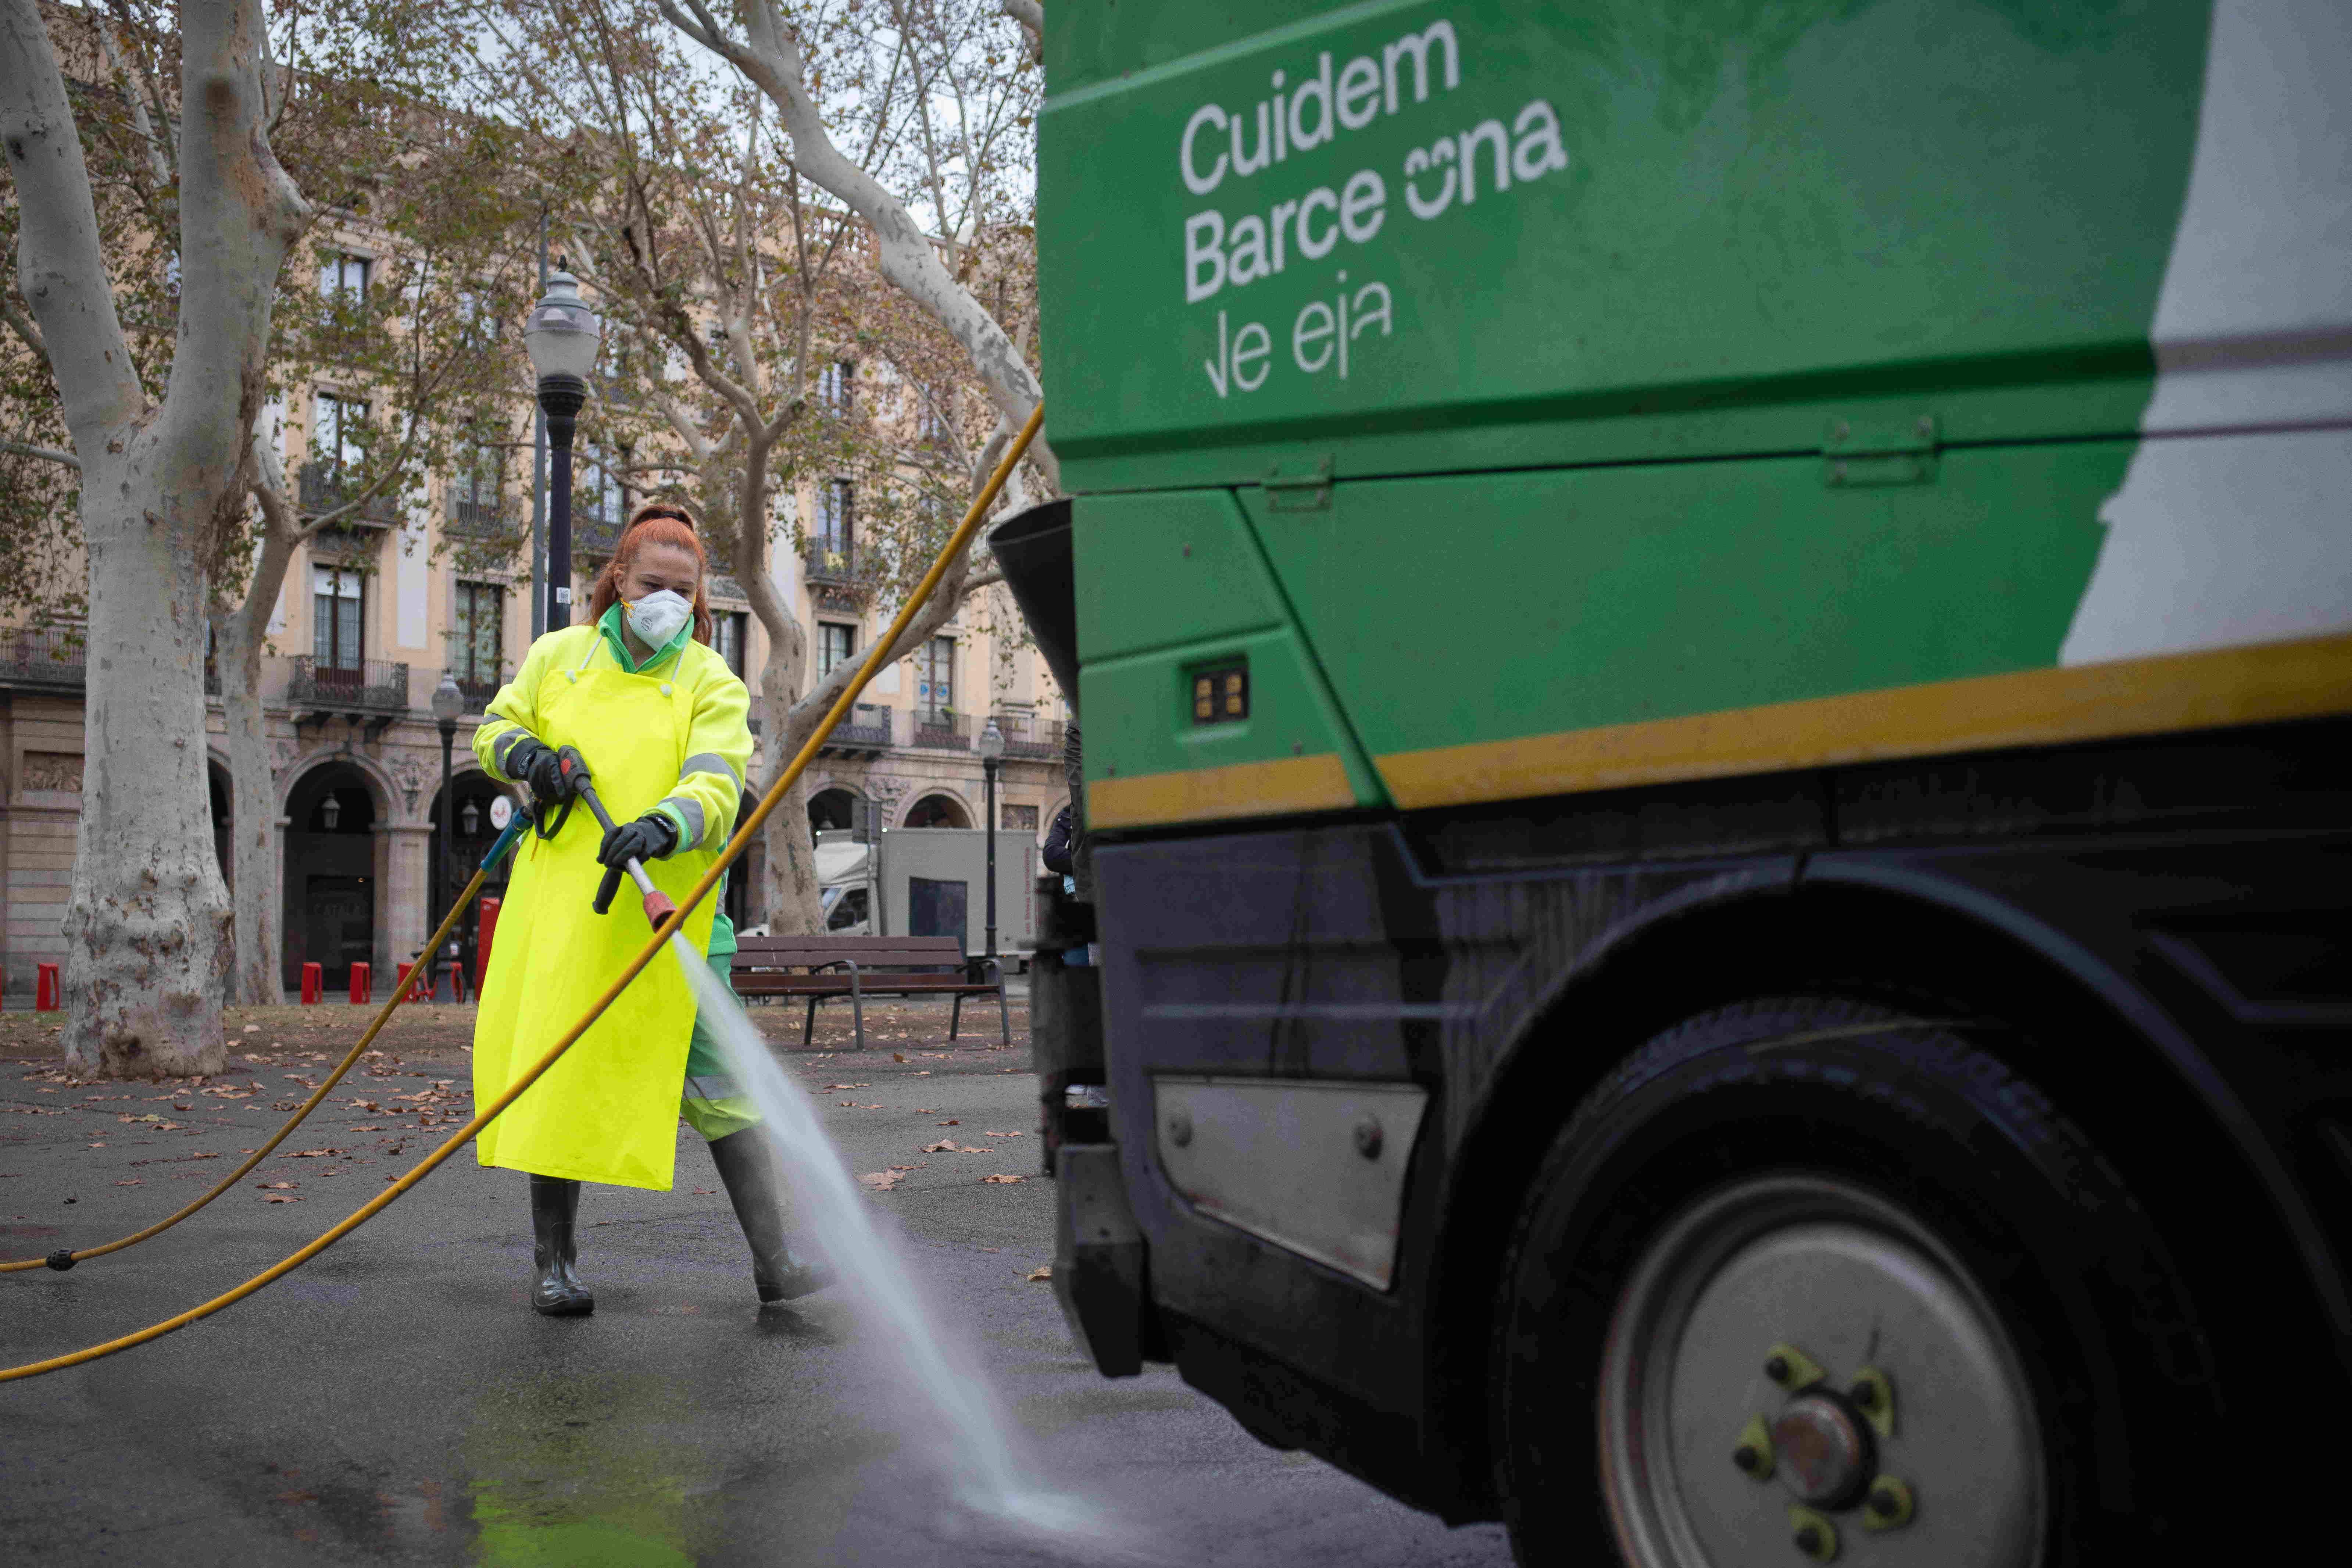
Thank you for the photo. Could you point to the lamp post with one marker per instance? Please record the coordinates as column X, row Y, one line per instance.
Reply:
column 562, row 335
column 448, row 702
column 991, row 753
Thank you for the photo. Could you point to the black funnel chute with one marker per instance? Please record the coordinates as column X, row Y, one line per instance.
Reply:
column 1033, row 548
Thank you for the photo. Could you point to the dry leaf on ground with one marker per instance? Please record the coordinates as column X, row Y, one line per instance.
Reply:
column 128, row 1182
column 882, row 1181
column 312, row 1153
column 280, row 1198
column 993, row 1132
column 849, row 1086
column 951, row 1121
column 1004, row 1180
column 944, row 1146
column 276, row 1186
column 1043, row 1272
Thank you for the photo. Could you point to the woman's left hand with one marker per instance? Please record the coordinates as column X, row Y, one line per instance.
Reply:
column 649, row 838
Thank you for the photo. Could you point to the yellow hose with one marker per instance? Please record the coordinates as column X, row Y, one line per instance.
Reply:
column 382, row 1016
column 735, row 847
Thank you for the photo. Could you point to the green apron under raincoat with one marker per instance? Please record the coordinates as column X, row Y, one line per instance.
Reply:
column 669, row 734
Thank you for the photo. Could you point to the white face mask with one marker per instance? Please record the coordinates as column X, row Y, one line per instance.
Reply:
column 657, row 617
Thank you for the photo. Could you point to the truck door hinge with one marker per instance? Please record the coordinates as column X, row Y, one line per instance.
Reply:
column 1881, row 451
column 1298, row 491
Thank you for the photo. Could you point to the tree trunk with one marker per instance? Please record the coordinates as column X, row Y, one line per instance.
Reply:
column 148, row 922
column 256, row 848
column 795, row 900
column 788, row 891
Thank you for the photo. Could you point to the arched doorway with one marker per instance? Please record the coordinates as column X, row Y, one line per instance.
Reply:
column 473, row 806
column 938, row 810
column 834, row 808
column 330, row 873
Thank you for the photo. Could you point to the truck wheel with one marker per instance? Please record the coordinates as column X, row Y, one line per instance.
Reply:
column 1810, row 1279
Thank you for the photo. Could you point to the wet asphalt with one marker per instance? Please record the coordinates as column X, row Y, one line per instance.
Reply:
column 396, row 1401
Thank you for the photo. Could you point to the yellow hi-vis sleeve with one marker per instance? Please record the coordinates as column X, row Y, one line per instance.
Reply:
column 709, row 785
column 513, row 714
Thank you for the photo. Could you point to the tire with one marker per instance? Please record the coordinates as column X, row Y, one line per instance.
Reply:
column 1866, row 1187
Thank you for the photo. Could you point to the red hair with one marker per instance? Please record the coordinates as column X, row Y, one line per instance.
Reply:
column 656, row 522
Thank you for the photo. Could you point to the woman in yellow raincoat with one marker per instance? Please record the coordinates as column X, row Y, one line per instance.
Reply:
column 660, row 720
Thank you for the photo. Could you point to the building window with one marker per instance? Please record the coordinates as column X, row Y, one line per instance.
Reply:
column 598, row 496
column 935, row 670
column 835, row 641
column 1020, row 818
column 477, row 643
column 481, row 475
column 337, row 431
column 932, row 418
column 835, row 383
column 345, row 278
column 338, row 612
column 837, row 508
column 730, row 636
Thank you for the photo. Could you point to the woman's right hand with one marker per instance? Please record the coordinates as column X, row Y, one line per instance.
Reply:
column 533, row 761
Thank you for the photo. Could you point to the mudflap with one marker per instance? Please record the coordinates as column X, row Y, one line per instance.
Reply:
column 1101, row 1268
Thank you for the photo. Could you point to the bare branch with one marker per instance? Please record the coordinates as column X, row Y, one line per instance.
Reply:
column 47, row 454
column 59, row 265
column 22, row 326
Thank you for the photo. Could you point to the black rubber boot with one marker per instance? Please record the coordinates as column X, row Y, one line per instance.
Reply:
column 554, row 1212
column 755, row 1186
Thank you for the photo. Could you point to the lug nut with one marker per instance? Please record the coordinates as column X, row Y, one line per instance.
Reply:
column 1777, row 1368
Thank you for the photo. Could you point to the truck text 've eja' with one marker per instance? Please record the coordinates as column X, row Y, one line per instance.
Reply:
column 1321, row 336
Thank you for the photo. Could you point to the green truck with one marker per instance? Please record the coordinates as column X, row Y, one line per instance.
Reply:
column 1715, row 644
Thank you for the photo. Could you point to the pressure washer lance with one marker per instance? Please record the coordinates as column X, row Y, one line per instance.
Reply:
column 658, row 906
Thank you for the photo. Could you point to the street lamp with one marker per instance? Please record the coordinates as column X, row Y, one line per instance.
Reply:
column 562, row 335
column 991, row 753
column 448, row 702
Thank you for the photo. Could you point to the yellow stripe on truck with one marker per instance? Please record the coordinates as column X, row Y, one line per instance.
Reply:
column 1209, row 795
column 2200, row 691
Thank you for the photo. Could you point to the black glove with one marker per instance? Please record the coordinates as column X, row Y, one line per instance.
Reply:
column 532, row 762
column 649, row 838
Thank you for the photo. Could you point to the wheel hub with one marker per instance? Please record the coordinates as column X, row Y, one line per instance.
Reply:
column 1824, row 1453
column 1724, row 1440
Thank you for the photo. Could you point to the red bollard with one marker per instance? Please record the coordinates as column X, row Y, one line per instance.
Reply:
column 44, row 989
column 401, row 979
column 420, row 981
column 314, row 984
column 363, row 983
column 486, row 926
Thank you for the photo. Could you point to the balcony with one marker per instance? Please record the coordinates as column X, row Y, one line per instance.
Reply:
column 1028, row 738
column 478, row 520
column 321, row 487
column 594, row 538
column 836, row 570
column 867, row 729
column 943, row 730
column 479, row 691
column 50, row 658
column 376, row 693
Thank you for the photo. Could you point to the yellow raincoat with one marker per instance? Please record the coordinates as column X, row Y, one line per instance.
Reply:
column 670, row 735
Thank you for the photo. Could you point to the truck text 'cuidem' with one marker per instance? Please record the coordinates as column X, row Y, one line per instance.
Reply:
column 1715, row 652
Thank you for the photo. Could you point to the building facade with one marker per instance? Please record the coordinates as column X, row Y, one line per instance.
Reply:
column 370, row 618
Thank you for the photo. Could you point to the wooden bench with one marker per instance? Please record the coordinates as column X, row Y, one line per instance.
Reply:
column 822, row 967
